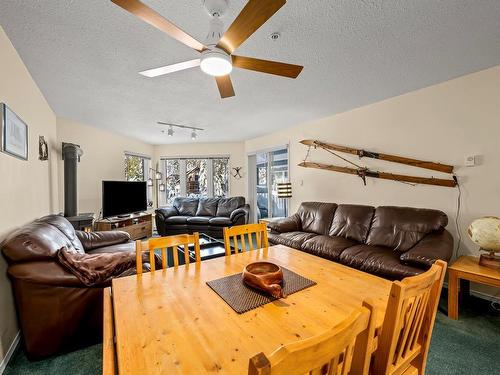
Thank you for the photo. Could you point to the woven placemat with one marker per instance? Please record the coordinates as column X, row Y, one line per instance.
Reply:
column 242, row 298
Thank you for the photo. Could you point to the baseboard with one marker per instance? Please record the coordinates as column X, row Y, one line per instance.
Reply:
column 9, row 353
column 481, row 295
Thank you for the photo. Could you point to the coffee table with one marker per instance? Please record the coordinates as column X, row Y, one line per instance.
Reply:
column 209, row 248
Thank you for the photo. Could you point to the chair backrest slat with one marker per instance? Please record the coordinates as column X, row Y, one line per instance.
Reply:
column 408, row 323
column 343, row 350
column 244, row 232
column 166, row 244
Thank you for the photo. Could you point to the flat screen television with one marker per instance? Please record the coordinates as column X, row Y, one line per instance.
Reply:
column 123, row 198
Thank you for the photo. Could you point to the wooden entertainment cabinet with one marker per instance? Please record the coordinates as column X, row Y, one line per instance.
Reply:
column 137, row 225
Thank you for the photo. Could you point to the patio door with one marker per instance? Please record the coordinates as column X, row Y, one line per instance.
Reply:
column 270, row 168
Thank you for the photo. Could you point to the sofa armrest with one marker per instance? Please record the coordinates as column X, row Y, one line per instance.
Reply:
column 432, row 247
column 45, row 273
column 94, row 240
column 242, row 212
column 166, row 212
column 288, row 224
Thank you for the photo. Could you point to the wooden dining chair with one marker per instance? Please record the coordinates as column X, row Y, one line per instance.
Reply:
column 164, row 244
column 242, row 231
column 345, row 349
column 407, row 329
column 109, row 365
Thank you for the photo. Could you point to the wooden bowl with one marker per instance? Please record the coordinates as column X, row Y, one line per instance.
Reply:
column 264, row 276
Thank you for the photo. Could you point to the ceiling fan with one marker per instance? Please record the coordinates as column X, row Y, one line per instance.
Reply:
column 217, row 57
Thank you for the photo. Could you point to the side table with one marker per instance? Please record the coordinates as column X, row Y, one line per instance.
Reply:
column 463, row 271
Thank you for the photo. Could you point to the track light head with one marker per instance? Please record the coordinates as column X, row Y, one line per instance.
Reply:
column 170, row 131
column 193, row 135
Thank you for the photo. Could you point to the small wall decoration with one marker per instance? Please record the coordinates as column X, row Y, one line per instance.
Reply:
column 237, row 173
column 43, row 148
column 14, row 134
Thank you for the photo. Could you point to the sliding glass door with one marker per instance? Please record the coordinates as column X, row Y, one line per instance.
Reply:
column 271, row 169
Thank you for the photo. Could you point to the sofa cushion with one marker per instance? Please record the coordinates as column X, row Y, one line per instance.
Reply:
column 327, row 247
column 199, row 219
column 378, row 260
column 400, row 228
column 352, row 221
column 177, row 219
column 290, row 239
column 207, row 207
column 61, row 223
column 39, row 240
column 220, row 221
column 228, row 205
column 186, row 206
column 316, row 217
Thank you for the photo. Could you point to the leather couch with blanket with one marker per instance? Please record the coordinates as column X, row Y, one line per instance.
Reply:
column 56, row 311
column 391, row 242
column 203, row 215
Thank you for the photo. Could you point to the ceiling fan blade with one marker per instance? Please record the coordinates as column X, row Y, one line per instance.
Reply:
column 267, row 66
column 148, row 15
column 170, row 68
column 253, row 16
column 225, row 86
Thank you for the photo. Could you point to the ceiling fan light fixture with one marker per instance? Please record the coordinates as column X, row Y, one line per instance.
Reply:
column 216, row 62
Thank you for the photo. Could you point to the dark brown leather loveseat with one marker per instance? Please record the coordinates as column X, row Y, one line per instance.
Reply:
column 56, row 311
column 392, row 242
column 203, row 215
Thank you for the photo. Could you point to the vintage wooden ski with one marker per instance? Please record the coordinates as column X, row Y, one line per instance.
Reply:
column 363, row 173
column 375, row 155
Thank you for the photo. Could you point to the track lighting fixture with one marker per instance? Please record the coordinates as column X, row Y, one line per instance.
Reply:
column 170, row 131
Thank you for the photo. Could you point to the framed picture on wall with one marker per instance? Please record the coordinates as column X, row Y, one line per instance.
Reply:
column 14, row 134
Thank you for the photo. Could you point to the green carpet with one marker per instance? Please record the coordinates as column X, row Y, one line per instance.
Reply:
column 468, row 346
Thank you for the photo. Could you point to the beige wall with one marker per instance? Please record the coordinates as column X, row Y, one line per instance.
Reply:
column 235, row 150
column 103, row 159
column 442, row 123
column 28, row 188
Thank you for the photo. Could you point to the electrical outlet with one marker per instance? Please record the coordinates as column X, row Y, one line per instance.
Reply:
column 470, row 161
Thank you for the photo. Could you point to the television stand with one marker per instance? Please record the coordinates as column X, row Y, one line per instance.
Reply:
column 137, row 225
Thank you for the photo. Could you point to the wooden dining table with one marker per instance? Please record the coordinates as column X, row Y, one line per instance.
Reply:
column 171, row 322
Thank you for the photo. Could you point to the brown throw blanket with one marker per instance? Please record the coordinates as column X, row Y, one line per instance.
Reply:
column 94, row 269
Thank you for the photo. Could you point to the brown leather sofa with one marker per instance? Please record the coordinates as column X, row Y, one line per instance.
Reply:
column 203, row 215
column 391, row 242
column 56, row 311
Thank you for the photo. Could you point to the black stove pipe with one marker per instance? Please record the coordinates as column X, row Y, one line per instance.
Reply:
column 71, row 154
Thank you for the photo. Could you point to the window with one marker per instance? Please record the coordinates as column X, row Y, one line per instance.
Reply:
column 195, row 177
column 221, row 177
column 137, row 169
column 134, row 168
column 173, row 179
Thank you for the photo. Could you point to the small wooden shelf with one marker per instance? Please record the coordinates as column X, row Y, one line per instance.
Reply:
column 137, row 225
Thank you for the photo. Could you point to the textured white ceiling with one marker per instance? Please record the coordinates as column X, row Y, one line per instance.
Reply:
column 85, row 55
